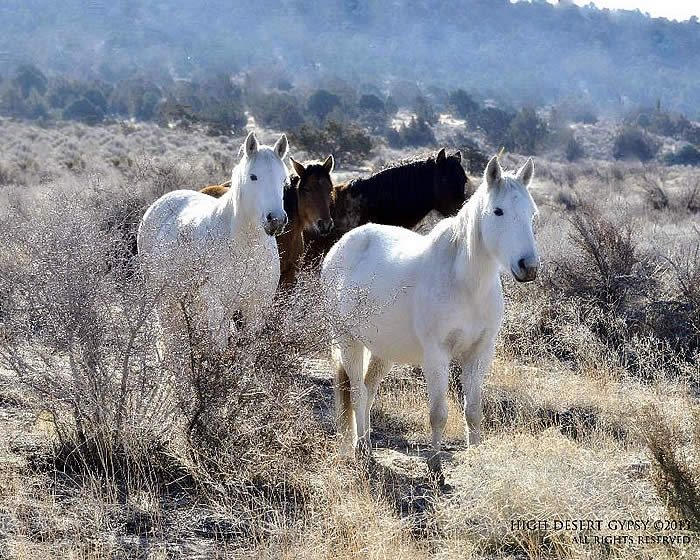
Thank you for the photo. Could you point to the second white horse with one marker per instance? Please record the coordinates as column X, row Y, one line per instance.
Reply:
column 428, row 299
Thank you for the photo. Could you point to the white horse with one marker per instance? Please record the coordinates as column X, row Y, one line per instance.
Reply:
column 433, row 298
column 218, row 254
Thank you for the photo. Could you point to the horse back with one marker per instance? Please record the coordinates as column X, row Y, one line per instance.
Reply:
column 217, row 191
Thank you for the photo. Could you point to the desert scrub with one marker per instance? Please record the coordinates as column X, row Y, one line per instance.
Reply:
column 604, row 298
column 236, row 433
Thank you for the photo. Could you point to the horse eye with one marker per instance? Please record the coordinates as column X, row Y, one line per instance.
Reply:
column 254, row 177
column 498, row 212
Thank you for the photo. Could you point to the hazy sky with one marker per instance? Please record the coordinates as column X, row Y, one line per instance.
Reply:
column 671, row 9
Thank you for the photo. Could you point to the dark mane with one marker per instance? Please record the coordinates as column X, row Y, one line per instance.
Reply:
column 402, row 190
column 290, row 198
column 396, row 179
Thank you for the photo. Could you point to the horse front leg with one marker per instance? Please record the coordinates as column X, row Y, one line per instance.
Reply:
column 474, row 367
column 436, row 369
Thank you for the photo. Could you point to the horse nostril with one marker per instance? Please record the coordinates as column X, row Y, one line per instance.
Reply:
column 269, row 217
column 521, row 264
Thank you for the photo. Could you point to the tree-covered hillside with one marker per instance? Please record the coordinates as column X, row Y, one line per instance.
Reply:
column 523, row 52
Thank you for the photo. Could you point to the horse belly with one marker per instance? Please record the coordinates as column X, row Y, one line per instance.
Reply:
column 401, row 347
column 388, row 330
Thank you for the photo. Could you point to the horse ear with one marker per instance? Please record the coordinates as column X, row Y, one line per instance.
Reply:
column 458, row 155
column 251, row 144
column 298, row 167
column 493, row 172
column 526, row 172
column 281, row 146
column 441, row 156
column 329, row 164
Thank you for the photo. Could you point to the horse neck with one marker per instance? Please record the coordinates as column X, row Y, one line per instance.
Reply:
column 295, row 227
column 395, row 196
column 229, row 214
column 475, row 269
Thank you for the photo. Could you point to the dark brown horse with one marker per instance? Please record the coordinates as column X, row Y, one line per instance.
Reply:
column 399, row 195
column 307, row 203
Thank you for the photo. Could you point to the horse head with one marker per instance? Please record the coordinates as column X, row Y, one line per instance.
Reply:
column 449, row 183
column 506, row 218
column 315, row 192
column 261, row 177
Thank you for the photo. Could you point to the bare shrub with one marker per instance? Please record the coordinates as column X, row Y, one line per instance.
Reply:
column 676, row 476
column 79, row 339
column 607, row 269
column 652, row 181
column 236, row 432
column 686, row 269
column 604, row 300
column 690, row 199
column 248, row 410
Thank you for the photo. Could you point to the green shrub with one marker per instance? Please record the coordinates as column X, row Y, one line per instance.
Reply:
column 28, row 77
column 84, row 111
column 462, row 104
column 585, row 116
column 633, row 143
column 277, row 110
column 494, row 122
column 574, row 149
column 414, row 134
column 321, row 103
column 336, row 137
column 425, row 112
column 223, row 117
column 62, row 92
column 686, row 155
column 371, row 103
column 527, row 131
column 136, row 97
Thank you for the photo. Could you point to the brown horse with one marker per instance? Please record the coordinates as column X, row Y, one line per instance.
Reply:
column 306, row 201
column 399, row 195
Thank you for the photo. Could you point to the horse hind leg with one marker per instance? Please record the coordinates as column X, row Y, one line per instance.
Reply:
column 350, row 396
column 376, row 371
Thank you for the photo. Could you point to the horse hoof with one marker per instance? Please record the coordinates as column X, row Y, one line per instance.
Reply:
column 364, row 449
column 435, row 463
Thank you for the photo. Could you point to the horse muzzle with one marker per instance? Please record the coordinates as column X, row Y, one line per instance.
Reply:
column 324, row 227
column 526, row 269
column 274, row 223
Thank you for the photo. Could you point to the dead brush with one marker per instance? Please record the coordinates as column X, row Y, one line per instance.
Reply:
column 604, row 298
column 608, row 269
column 248, row 410
column 238, row 434
column 652, row 181
column 676, row 474
column 82, row 342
